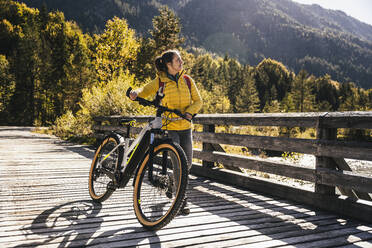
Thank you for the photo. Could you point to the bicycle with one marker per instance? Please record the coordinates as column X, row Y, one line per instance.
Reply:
column 159, row 167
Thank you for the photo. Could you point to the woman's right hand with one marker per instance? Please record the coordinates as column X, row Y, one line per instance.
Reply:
column 133, row 95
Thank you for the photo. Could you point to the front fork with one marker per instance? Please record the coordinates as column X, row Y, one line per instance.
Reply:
column 150, row 162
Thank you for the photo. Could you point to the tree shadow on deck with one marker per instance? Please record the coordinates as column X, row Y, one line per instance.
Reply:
column 16, row 137
column 15, row 128
column 265, row 219
column 83, row 150
column 74, row 224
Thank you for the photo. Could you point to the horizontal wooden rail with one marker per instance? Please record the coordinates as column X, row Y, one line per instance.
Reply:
column 360, row 150
column 330, row 169
column 257, row 164
column 353, row 119
column 345, row 179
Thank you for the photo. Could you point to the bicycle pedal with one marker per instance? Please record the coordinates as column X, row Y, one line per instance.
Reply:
column 168, row 194
column 111, row 186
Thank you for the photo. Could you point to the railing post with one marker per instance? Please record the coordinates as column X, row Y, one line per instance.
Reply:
column 207, row 146
column 324, row 162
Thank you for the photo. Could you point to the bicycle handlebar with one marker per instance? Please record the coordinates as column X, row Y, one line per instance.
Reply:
column 162, row 109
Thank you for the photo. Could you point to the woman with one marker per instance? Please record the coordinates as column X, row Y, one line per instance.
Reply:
column 180, row 93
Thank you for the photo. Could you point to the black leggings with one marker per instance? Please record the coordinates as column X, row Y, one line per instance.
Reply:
column 184, row 139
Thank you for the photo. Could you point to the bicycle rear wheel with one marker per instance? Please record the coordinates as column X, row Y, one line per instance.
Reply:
column 160, row 189
column 102, row 169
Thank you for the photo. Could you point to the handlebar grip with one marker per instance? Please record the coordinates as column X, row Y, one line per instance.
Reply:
column 128, row 91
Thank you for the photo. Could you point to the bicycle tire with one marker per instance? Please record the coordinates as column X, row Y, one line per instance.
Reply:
column 153, row 213
column 99, row 181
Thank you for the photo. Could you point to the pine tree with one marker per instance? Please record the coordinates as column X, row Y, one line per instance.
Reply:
column 272, row 107
column 302, row 95
column 237, row 78
column 165, row 34
column 7, row 86
column 166, row 31
column 327, row 93
column 363, row 100
column 204, row 70
column 214, row 101
column 247, row 100
column 269, row 73
column 348, row 97
column 143, row 67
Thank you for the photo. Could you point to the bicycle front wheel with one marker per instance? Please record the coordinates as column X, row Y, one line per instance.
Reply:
column 160, row 186
column 103, row 167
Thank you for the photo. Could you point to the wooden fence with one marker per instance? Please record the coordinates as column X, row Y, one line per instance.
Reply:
column 331, row 170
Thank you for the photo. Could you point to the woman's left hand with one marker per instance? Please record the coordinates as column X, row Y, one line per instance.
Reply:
column 188, row 116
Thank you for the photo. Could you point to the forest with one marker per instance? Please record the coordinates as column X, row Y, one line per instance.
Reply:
column 321, row 41
column 54, row 74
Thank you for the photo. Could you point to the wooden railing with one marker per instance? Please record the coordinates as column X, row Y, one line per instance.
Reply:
column 331, row 170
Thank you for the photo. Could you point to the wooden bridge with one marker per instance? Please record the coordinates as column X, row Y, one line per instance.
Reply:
column 45, row 200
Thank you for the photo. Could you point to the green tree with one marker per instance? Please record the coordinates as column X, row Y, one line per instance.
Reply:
column 67, row 67
column 49, row 59
column 7, row 85
column 214, row 101
column 166, row 31
column 349, row 97
column 25, row 63
column 287, row 104
column 165, row 34
column 247, row 99
column 269, row 73
column 327, row 93
column 204, row 70
column 115, row 49
column 363, row 104
column 302, row 93
column 272, row 107
column 143, row 67
column 238, row 76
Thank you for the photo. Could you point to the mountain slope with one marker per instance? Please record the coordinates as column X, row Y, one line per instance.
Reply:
column 320, row 18
column 301, row 36
column 254, row 29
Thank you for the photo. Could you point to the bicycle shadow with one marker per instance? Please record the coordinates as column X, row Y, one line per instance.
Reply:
column 61, row 224
column 76, row 224
column 127, row 237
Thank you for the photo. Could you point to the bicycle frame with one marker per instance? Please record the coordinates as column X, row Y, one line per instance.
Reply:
column 154, row 124
column 128, row 165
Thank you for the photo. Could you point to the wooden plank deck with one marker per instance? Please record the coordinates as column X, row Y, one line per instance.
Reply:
column 45, row 203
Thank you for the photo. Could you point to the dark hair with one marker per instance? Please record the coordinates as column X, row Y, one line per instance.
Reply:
column 166, row 57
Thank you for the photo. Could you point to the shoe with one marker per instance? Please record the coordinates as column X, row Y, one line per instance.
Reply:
column 185, row 210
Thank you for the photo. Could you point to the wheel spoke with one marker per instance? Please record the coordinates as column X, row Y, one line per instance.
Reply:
column 99, row 181
column 157, row 200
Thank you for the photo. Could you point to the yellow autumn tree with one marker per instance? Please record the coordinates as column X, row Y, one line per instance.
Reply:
column 115, row 49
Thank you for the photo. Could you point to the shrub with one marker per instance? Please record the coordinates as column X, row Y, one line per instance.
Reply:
column 100, row 100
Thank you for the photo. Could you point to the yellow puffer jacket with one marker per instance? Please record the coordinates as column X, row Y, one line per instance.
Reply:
column 176, row 96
